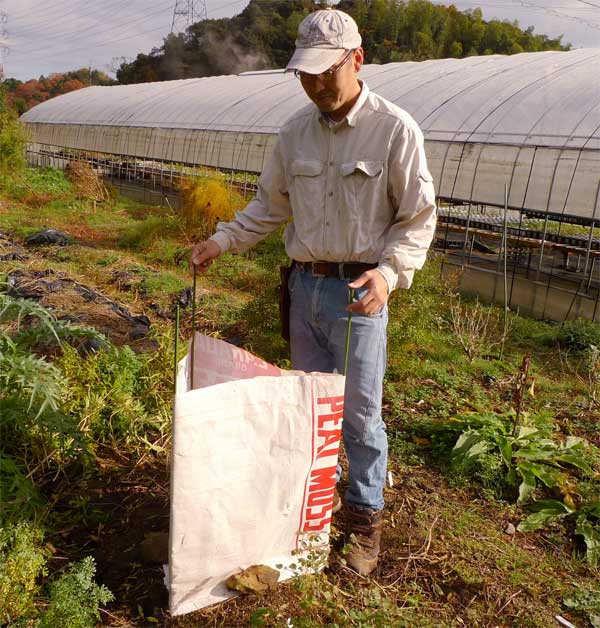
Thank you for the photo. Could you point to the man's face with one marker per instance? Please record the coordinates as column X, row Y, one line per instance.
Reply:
column 337, row 86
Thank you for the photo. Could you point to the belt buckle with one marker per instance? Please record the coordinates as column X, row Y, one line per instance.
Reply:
column 313, row 271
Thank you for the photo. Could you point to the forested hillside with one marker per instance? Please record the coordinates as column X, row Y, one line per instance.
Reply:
column 262, row 36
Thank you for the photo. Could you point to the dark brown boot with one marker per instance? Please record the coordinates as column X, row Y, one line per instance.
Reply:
column 363, row 534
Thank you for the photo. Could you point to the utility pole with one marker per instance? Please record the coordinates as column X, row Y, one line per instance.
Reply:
column 186, row 12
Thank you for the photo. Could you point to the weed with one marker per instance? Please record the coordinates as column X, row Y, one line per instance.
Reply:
column 579, row 334
column 20, row 498
column 524, row 458
column 75, row 598
column 592, row 356
column 165, row 283
column 587, row 602
column 37, row 187
column 143, row 234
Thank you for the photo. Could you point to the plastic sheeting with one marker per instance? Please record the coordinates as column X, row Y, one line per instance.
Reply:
column 529, row 121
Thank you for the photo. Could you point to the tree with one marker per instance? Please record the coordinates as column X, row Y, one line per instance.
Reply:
column 22, row 96
column 263, row 34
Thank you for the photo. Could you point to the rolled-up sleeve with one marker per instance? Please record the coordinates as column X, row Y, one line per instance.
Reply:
column 412, row 195
column 263, row 214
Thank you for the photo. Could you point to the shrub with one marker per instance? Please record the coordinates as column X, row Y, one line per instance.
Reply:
column 206, row 200
column 476, row 329
column 22, row 562
column 116, row 393
column 35, row 430
column 12, row 138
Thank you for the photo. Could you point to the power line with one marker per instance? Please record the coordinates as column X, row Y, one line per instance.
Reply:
column 90, row 31
column 111, row 41
column 49, row 10
column 554, row 12
column 597, row 6
column 126, row 26
column 93, row 15
column 550, row 11
column 55, row 53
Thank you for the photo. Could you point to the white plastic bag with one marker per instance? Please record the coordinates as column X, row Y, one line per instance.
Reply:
column 253, row 469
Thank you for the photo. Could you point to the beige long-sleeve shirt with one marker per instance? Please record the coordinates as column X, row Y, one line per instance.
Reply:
column 357, row 191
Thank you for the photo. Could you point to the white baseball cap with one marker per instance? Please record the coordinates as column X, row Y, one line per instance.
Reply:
column 322, row 36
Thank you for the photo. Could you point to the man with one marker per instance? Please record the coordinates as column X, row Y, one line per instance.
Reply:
column 352, row 174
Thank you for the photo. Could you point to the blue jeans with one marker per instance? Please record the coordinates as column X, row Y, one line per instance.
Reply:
column 318, row 325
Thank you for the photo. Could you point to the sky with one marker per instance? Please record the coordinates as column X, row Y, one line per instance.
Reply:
column 44, row 36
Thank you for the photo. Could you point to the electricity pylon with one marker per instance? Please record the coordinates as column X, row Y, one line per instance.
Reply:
column 187, row 12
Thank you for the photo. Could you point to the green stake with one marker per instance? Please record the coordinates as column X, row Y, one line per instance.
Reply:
column 347, row 353
column 193, row 356
column 176, row 347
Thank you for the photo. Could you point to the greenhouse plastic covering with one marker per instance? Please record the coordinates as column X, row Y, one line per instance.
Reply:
column 528, row 122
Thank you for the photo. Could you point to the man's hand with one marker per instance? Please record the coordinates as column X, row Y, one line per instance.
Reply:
column 203, row 254
column 376, row 296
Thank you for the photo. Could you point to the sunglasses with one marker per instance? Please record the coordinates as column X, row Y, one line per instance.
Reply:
column 327, row 74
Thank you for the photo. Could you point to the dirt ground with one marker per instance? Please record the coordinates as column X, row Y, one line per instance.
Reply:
column 129, row 502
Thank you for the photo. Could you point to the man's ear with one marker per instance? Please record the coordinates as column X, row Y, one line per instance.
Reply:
column 359, row 59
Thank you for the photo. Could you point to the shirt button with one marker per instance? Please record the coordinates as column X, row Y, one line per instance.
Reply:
column 327, row 223
column 330, row 193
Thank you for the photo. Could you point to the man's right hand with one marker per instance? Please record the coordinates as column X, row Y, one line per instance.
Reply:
column 203, row 254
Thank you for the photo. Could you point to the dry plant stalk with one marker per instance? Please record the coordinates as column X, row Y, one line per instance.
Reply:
column 86, row 181
column 520, row 390
column 475, row 328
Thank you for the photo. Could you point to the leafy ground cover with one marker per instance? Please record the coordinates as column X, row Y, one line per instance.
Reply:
column 492, row 516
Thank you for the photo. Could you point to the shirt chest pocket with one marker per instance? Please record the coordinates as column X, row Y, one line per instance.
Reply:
column 306, row 192
column 361, row 186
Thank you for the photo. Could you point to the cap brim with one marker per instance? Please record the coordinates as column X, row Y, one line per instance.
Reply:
column 313, row 60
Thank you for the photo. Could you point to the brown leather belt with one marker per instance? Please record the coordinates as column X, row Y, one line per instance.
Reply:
column 340, row 270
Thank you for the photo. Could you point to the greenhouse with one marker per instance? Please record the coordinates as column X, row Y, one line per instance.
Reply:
column 517, row 133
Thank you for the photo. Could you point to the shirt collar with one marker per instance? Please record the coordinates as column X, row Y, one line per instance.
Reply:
column 362, row 98
column 350, row 118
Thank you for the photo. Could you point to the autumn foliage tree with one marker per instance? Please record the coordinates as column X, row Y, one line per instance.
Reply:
column 25, row 95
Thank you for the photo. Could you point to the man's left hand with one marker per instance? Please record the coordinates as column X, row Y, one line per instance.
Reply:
column 376, row 296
